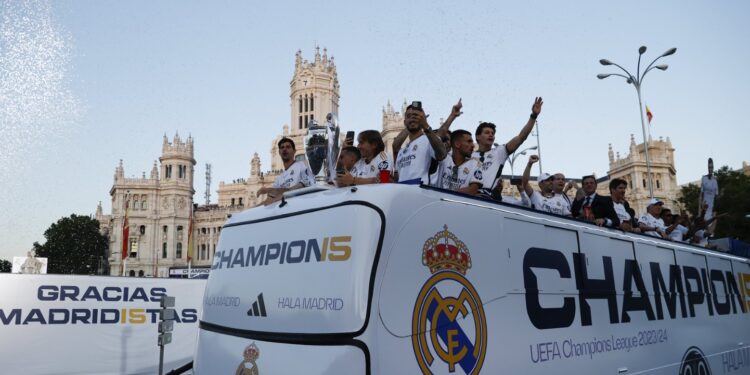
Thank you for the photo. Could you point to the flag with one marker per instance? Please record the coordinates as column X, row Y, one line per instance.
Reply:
column 649, row 115
column 190, row 237
column 125, row 235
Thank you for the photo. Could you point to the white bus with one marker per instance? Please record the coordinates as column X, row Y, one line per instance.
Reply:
column 393, row 279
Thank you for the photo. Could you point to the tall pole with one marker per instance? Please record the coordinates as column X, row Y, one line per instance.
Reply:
column 645, row 144
column 637, row 81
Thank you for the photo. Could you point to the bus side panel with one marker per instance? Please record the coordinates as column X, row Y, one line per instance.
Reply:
column 432, row 306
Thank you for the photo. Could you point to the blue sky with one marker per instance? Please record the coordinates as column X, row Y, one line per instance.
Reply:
column 127, row 72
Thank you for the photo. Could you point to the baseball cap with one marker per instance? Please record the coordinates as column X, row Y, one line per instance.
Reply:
column 654, row 201
column 544, row 177
column 416, row 105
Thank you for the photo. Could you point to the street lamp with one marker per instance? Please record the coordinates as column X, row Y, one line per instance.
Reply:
column 513, row 157
column 637, row 81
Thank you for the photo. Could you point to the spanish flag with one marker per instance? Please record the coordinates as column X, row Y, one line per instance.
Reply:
column 190, row 237
column 125, row 236
column 649, row 115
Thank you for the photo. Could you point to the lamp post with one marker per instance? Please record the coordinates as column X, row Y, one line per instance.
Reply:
column 538, row 146
column 513, row 157
column 637, row 82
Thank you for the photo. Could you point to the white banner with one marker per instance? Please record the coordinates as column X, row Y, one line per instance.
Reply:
column 59, row 324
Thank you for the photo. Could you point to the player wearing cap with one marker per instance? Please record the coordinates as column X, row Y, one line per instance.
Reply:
column 493, row 159
column 413, row 162
column 373, row 161
column 709, row 191
column 459, row 172
column 296, row 174
column 651, row 222
column 545, row 199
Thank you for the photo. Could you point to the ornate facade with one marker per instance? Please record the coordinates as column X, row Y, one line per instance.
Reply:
column 159, row 206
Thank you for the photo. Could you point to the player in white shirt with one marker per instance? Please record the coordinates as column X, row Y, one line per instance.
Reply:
column 459, row 172
column 296, row 174
column 493, row 159
column 413, row 161
column 373, row 161
column 545, row 199
column 675, row 231
column 651, row 222
column 709, row 191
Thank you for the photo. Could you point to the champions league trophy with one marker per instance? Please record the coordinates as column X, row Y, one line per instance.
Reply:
column 322, row 149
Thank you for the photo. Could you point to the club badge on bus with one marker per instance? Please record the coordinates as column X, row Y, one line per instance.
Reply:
column 448, row 319
column 248, row 365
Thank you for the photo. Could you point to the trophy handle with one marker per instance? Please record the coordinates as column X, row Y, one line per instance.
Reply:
column 333, row 130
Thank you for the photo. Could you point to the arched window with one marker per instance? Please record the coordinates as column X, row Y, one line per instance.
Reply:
column 178, row 253
column 144, row 205
column 164, row 250
column 135, row 203
column 644, row 182
column 142, row 229
column 300, row 121
column 133, row 248
column 306, row 103
column 658, row 185
column 305, row 121
column 312, row 103
column 300, row 104
column 203, row 252
column 140, row 273
column 131, row 273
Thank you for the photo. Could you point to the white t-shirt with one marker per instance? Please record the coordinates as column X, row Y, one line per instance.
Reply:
column 297, row 173
column 621, row 212
column 524, row 201
column 381, row 162
column 492, row 164
column 709, row 189
column 470, row 172
column 653, row 222
column 678, row 233
column 556, row 204
column 413, row 161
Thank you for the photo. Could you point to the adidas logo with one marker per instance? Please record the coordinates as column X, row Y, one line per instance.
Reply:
column 259, row 307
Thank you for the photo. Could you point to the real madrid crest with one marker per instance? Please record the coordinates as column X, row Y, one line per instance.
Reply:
column 448, row 321
column 248, row 365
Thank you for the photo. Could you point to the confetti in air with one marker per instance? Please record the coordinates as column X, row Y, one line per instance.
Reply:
column 35, row 55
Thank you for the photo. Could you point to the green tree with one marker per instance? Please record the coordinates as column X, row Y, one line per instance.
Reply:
column 5, row 266
column 689, row 198
column 733, row 200
column 74, row 246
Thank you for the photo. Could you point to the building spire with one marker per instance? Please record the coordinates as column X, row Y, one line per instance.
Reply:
column 611, row 154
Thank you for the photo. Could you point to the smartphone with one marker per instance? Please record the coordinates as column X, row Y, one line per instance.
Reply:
column 349, row 136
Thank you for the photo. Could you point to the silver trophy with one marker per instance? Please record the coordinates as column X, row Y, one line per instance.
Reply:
column 322, row 149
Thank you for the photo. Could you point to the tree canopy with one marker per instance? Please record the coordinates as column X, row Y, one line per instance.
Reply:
column 5, row 266
column 733, row 200
column 74, row 246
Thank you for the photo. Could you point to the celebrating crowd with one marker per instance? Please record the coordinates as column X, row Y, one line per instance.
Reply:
column 450, row 160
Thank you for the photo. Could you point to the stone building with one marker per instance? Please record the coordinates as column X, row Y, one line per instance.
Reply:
column 158, row 209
